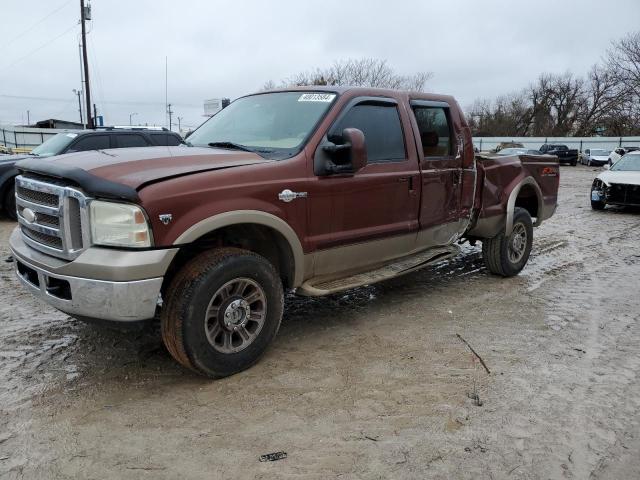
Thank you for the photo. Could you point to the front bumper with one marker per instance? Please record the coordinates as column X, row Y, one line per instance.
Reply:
column 115, row 300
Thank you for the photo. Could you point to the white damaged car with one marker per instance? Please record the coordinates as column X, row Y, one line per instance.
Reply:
column 618, row 185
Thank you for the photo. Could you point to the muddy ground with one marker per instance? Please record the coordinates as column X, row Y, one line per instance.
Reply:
column 374, row 383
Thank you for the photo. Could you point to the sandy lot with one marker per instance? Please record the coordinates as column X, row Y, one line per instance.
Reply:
column 373, row 383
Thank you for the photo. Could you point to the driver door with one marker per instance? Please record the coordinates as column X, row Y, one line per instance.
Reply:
column 374, row 210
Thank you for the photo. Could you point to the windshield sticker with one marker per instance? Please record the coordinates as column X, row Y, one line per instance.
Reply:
column 317, row 97
column 72, row 135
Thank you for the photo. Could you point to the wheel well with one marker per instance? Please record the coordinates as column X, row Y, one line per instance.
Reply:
column 528, row 199
column 259, row 239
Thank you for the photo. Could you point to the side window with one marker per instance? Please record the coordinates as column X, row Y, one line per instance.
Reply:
column 382, row 131
column 90, row 142
column 435, row 132
column 164, row 139
column 173, row 141
column 130, row 140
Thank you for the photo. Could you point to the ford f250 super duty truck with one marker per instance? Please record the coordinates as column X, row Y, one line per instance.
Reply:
column 313, row 189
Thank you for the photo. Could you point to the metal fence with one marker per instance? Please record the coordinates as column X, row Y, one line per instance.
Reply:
column 579, row 143
column 24, row 137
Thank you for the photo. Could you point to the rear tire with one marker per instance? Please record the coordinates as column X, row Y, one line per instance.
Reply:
column 507, row 256
column 10, row 203
column 222, row 311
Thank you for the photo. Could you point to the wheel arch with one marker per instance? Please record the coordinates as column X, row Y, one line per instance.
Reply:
column 257, row 231
column 526, row 194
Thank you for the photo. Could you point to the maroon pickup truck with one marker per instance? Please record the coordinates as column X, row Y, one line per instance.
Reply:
column 313, row 189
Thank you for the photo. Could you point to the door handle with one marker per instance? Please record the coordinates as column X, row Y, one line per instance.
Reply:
column 408, row 180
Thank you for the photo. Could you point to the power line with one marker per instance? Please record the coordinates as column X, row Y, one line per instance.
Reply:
column 49, row 42
column 113, row 102
column 20, row 35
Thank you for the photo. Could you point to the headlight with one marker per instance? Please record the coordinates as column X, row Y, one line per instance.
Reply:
column 119, row 224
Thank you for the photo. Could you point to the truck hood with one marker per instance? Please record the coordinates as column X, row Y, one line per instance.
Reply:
column 628, row 177
column 12, row 158
column 100, row 171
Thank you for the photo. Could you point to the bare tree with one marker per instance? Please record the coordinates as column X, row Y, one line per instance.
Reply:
column 364, row 72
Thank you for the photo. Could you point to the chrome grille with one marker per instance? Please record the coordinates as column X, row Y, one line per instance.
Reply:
column 35, row 196
column 52, row 216
column 43, row 238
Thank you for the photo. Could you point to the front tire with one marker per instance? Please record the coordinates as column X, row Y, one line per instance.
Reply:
column 222, row 311
column 10, row 203
column 507, row 255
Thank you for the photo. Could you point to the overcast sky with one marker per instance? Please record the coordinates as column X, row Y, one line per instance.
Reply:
column 221, row 48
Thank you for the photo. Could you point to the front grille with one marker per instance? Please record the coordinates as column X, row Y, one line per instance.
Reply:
column 624, row 194
column 51, row 216
column 48, row 240
column 41, row 198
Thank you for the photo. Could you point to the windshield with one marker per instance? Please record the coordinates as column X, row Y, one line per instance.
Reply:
column 559, row 147
column 274, row 125
column 55, row 145
column 599, row 153
column 628, row 163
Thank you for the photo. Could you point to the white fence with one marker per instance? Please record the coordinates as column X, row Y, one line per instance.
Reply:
column 12, row 136
column 580, row 143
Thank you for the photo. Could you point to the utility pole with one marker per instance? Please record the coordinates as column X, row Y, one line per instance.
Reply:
column 28, row 119
column 85, row 62
column 179, row 120
column 169, row 112
column 79, row 94
column 130, row 116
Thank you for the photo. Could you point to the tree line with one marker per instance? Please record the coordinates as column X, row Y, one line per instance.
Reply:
column 604, row 102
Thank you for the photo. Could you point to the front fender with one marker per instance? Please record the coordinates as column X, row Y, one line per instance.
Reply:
column 255, row 217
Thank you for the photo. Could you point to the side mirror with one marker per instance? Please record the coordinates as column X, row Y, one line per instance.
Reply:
column 345, row 153
column 188, row 134
column 607, row 166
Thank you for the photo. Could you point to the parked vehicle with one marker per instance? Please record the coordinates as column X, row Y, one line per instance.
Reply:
column 502, row 145
column 564, row 153
column 317, row 189
column 619, row 152
column 618, row 185
column 80, row 141
column 595, row 157
column 518, row 151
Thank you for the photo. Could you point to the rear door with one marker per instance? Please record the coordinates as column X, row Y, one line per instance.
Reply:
column 441, row 167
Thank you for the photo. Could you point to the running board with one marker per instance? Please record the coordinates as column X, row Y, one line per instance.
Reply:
column 319, row 287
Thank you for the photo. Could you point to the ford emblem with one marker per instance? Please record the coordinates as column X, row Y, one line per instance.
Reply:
column 29, row 215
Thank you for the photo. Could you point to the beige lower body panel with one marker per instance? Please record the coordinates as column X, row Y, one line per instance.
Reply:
column 342, row 262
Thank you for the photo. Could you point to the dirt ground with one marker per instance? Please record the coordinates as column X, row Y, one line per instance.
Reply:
column 371, row 384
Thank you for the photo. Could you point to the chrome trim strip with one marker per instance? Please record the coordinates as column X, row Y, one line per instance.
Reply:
column 37, row 207
column 54, row 232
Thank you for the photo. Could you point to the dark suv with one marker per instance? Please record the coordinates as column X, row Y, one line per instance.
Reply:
column 80, row 141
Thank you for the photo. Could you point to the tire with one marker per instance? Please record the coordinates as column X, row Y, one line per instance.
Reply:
column 499, row 253
column 211, row 285
column 10, row 203
column 574, row 163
